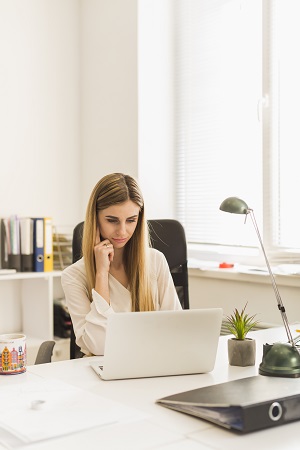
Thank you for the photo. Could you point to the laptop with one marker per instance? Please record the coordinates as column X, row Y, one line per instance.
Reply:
column 160, row 343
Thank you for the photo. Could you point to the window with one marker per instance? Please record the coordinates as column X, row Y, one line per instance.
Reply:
column 236, row 93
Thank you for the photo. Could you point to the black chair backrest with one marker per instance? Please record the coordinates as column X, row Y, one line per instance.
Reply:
column 167, row 236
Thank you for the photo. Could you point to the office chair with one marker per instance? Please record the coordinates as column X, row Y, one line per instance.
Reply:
column 167, row 236
column 45, row 352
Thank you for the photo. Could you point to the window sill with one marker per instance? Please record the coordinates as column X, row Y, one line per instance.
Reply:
column 242, row 274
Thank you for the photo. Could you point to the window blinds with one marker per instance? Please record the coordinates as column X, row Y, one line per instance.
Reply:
column 218, row 81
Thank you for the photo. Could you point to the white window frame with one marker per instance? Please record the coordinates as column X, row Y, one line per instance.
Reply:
column 253, row 255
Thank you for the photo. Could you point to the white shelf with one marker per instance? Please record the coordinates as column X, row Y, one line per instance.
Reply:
column 26, row 306
column 29, row 275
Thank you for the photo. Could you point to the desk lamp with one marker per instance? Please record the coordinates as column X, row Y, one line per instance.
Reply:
column 279, row 359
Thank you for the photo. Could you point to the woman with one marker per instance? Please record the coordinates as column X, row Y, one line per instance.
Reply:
column 118, row 272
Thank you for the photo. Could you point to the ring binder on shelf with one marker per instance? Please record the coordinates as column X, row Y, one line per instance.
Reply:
column 38, row 244
column 3, row 246
column 26, row 243
column 48, row 245
column 26, row 237
column 12, row 233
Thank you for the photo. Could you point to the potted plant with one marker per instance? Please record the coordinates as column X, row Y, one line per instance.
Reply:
column 241, row 350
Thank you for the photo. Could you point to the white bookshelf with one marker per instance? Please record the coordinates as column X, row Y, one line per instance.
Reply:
column 26, row 306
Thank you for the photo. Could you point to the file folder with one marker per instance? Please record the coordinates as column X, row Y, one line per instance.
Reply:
column 26, row 238
column 13, row 242
column 244, row 405
column 3, row 246
column 48, row 245
column 38, row 244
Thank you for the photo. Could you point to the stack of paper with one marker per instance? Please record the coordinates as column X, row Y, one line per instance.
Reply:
column 43, row 409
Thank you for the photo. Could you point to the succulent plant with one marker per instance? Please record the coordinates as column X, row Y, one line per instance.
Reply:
column 239, row 323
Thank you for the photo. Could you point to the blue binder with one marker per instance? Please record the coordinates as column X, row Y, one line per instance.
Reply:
column 38, row 244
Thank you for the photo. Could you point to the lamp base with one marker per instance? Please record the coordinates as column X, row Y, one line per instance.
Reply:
column 280, row 360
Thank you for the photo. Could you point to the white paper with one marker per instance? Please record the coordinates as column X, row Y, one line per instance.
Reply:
column 65, row 409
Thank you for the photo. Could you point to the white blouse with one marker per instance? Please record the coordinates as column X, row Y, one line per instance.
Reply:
column 90, row 318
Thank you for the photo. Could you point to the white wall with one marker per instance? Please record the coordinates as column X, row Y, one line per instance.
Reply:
column 68, row 110
column 109, row 120
column 156, row 107
column 126, row 97
column 39, row 109
column 220, row 290
column 70, row 99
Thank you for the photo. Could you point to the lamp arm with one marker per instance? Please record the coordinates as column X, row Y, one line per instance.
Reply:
column 275, row 288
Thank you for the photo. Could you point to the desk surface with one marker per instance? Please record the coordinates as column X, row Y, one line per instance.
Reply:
column 161, row 428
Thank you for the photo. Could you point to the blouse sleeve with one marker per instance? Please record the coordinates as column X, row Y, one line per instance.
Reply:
column 165, row 295
column 89, row 319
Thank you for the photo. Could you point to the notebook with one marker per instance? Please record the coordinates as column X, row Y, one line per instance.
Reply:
column 160, row 343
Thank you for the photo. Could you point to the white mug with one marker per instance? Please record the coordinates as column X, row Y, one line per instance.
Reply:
column 12, row 354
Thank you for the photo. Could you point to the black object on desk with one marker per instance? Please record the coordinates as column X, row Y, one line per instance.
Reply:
column 244, row 405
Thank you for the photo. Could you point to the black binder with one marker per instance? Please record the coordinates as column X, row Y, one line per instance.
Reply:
column 244, row 405
column 3, row 246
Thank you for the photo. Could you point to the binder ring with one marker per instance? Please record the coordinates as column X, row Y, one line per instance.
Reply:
column 275, row 411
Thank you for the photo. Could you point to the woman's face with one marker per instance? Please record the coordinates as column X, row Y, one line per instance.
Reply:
column 117, row 223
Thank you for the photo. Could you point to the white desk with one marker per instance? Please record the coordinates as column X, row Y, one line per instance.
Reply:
column 162, row 428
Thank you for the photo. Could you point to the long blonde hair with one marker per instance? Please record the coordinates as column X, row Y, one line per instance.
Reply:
column 111, row 190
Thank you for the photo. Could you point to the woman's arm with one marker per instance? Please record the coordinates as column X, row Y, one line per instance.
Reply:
column 165, row 295
column 89, row 319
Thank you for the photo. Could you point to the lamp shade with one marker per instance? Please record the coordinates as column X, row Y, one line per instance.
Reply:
column 234, row 205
